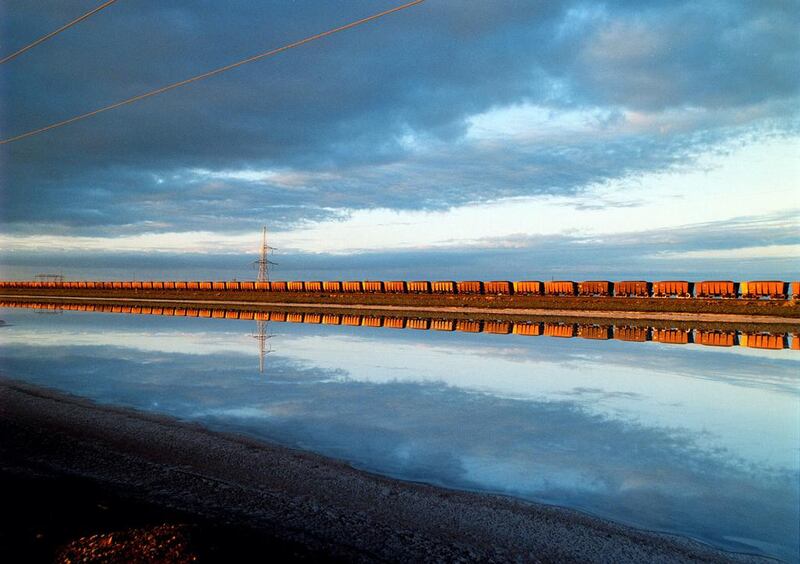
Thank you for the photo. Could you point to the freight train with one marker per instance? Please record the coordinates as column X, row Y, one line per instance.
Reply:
column 752, row 289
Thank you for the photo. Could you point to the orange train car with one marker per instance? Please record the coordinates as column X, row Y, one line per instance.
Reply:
column 418, row 287
column 469, row 287
column 528, row 288
column 715, row 338
column 595, row 288
column 169, row 285
column 205, row 285
column 246, row 286
column 443, row 287
column 277, row 316
column 277, row 286
column 295, row 286
column 672, row 288
column 715, row 289
column 503, row 287
column 116, row 285
column 672, row 336
column 352, row 286
column 795, row 289
column 312, row 318
column 632, row 288
column 193, row 285
column 559, row 330
column 594, row 332
column 265, row 286
column 295, row 318
column 774, row 289
column 373, row 286
column 218, row 285
column 559, row 288
column 795, row 346
column 313, row 286
column 182, row 285
column 394, row 286
column 332, row 286
column 232, row 285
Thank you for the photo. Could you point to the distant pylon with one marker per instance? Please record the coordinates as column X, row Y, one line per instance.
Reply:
column 263, row 261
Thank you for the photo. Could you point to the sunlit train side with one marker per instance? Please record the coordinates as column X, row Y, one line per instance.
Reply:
column 709, row 289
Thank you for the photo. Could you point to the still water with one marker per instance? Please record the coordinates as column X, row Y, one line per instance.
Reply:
column 694, row 440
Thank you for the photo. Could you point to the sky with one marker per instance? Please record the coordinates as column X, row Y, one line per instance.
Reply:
column 456, row 140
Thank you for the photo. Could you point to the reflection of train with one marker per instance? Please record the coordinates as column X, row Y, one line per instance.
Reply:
column 754, row 289
column 530, row 327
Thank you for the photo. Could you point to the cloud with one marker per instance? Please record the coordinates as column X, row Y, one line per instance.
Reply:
column 382, row 116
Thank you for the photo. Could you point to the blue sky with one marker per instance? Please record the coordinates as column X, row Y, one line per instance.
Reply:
column 458, row 140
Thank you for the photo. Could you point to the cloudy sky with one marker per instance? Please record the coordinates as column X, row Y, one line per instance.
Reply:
column 454, row 139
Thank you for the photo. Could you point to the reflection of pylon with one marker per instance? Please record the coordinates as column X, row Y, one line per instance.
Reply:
column 261, row 336
column 263, row 261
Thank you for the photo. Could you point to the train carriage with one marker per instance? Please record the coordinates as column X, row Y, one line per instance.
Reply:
column 773, row 289
column 295, row 286
column 394, row 287
column 498, row 287
column 559, row 288
column 443, row 287
column 352, row 286
column 372, row 286
column 263, row 286
column 419, row 287
column 313, row 286
column 469, row 287
column 632, row 288
column 672, row 288
column 715, row 289
column 332, row 286
column 595, row 288
column 278, row 286
column 528, row 288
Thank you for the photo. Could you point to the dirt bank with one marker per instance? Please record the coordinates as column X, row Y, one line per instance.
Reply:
column 301, row 503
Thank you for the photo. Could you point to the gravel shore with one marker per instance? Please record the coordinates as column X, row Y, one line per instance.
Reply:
column 302, row 505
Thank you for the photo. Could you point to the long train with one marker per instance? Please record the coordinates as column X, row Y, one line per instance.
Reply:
column 752, row 289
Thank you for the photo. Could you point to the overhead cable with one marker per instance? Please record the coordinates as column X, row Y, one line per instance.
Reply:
column 211, row 73
column 64, row 27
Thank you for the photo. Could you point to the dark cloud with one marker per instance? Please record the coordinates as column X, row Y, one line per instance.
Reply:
column 348, row 104
column 653, row 254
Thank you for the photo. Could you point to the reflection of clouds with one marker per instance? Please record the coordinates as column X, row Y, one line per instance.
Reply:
column 554, row 450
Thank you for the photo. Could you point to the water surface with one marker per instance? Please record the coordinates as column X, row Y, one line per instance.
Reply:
column 694, row 440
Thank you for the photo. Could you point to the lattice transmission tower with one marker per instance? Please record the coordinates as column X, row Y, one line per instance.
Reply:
column 263, row 261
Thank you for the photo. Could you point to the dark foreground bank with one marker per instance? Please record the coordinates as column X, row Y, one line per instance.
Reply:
column 79, row 479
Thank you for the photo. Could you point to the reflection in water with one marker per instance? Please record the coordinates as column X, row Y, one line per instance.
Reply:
column 698, row 440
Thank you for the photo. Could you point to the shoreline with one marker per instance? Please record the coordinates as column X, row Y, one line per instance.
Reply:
column 297, row 499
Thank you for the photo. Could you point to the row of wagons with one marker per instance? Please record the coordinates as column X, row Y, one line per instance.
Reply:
column 773, row 289
column 550, row 329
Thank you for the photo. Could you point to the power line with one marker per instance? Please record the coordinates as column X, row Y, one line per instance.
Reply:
column 212, row 72
column 64, row 27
